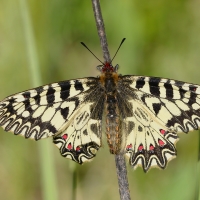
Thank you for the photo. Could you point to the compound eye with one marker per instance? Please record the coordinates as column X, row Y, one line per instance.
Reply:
column 99, row 67
column 116, row 68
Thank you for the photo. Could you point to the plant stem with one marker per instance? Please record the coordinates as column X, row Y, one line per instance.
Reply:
column 122, row 177
column 119, row 159
column 101, row 30
column 48, row 177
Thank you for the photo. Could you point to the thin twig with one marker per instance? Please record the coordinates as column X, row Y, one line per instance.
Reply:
column 122, row 177
column 101, row 30
column 119, row 159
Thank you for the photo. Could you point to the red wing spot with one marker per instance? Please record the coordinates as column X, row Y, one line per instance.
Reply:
column 78, row 148
column 151, row 147
column 25, row 96
column 161, row 143
column 69, row 146
column 162, row 131
column 129, row 147
column 65, row 136
column 193, row 88
column 140, row 148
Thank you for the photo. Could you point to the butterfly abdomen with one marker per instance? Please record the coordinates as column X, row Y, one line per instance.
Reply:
column 113, row 125
column 112, row 114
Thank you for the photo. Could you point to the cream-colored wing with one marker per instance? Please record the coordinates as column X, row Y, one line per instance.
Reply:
column 81, row 139
column 149, row 143
column 70, row 111
column 42, row 112
column 153, row 111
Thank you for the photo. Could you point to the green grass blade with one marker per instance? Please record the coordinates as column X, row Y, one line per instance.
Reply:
column 48, row 178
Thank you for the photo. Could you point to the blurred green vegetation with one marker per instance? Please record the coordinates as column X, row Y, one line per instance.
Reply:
column 162, row 40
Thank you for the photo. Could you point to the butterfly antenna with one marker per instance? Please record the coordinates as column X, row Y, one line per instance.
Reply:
column 118, row 48
column 91, row 52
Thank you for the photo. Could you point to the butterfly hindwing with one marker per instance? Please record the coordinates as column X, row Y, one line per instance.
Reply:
column 149, row 143
column 82, row 138
column 160, row 108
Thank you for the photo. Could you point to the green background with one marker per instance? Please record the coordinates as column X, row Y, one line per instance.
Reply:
column 162, row 40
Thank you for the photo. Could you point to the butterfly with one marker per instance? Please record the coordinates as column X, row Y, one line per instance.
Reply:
column 140, row 115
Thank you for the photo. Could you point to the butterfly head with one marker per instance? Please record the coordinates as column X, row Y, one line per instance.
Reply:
column 108, row 68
